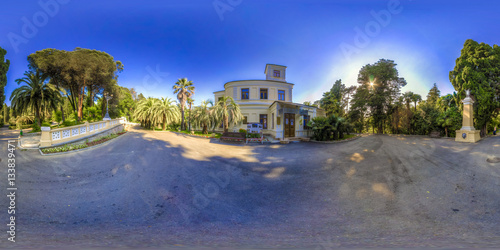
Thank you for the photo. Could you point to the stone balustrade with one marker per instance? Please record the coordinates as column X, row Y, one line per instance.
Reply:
column 51, row 137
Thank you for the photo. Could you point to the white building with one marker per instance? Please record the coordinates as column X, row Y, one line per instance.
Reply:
column 269, row 102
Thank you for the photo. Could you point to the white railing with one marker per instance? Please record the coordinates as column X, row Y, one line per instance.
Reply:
column 61, row 135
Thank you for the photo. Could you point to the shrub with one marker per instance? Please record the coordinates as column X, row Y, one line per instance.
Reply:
column 57, row 116
column 242, row 131
column 35, row 128
column 329, row 128
column 253, row 135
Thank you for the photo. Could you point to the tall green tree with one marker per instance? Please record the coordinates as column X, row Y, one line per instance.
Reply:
column 379, row 87
column 126, row 103
column 37, row 95
column 478, row 70
column 228, row 111
column 5, row 111
column 81, row 72
column 331, row 101
column 4, row 67
column 450, row 120
column 416, row 98
column 190, row 102
column 203, row 116
column 433, row 95
column 184, row 90
column 165, row 111
column 145, row 112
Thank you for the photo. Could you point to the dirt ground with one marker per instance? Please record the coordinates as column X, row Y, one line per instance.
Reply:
column 160, row 189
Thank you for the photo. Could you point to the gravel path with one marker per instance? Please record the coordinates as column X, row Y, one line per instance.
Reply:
column 148, row 189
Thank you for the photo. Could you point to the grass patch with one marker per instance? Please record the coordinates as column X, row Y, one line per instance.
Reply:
column 199, row 133
column 66, row 148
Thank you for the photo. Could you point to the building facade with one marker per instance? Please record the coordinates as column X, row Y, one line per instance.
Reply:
column 269, row 102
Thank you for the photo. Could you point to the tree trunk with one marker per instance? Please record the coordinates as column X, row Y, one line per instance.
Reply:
column 226, row 124
column 80, row 103
column 205, row 129
column 484, row 130
column 164, row 121
column 37, row 116
column 189, row 121
column 182, row 115
column 62, row 114
column 446, row 131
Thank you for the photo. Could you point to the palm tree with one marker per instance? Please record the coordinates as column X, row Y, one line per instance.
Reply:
column 184, row 89
column 416, row 98
column 228, row 111
column 190, row 102
column 166, row 111
column 37, row 96
column 144, row 112
column 203, row 116
column 408, row 98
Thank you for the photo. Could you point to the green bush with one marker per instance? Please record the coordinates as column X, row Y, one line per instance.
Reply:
column 253, row 135
column 57, row 116
column 242, row 131
column 329, row 128
column 35, row 128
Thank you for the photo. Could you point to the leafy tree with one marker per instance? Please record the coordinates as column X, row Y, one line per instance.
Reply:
column 433, row 95
column 4, row 67
column 396, row 112
column 36, row 95
column 379, row 88
column 416, row 98
column 330, row 127
column 478, row 70
column 184, row 89
column 337, row 99
column 81, row 72
column 308, row 103
column 140, row 97
column 447, row 101
column 6, row 114
column 144, row 112
column 331, row 101
column 190, row 102
column 126, row 103
column 203, row 116
column 450, row 120
column 165, row 111
column 228, row 111
column 57, row 116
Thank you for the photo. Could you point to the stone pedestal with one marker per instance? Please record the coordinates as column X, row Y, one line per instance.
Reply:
column 468, row 133
column 470, row 136
column 46, row 138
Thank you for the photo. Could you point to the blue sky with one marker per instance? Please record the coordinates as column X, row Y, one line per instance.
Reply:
column 161, row 41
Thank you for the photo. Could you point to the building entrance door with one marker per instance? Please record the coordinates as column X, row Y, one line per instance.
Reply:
column 289, row 125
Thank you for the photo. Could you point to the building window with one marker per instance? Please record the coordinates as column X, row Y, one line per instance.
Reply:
column 263, row 121
column 245, row 94
column 245, row 121
column 281, row 95
column 307, row 118
column 263, row 93
column 276, row 73
column 272, row 121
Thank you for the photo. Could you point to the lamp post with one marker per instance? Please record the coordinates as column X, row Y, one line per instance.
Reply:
column 106, row 117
